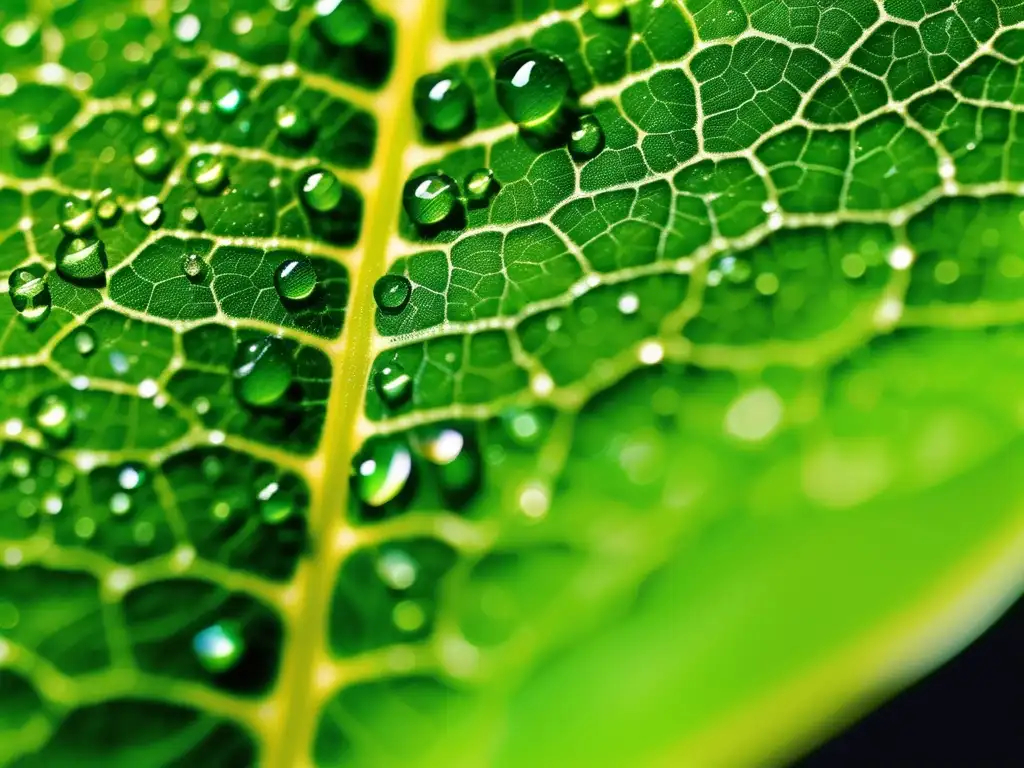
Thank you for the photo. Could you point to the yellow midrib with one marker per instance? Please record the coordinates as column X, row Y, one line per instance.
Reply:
column 291, row 723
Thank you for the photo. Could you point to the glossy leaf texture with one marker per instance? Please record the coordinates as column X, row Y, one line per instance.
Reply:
column 670, row 428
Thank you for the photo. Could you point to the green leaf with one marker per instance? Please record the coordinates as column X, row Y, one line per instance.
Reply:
column 678, row 448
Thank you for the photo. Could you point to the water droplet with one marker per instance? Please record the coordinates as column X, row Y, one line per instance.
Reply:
column 51, row 415
column 228, row 97
column 145, row 99
column 107, row 207
column 277, row 502
column 392, row 292
column 191, row 218
column 629, row 303
column 392, row 384
column 120, row 503
column 295, row 279
column 344, row 22
column 152, row 156
column 443, row 446
column 531, row 86
column 382, row 472
column 293, row 122
column 321, row 190
column 30, row 294
column 442, row 102
column 32, row 142
column 480, row 185
column 397, row 569
column 587, row 140
column 263, row 370
column 76, row 215
column 219, row 647
column 187, row 28
column 456, row 459
column 429, row 199
column 131, row 476
column 150, row 211
column 193, row 266
column 208, row 173
column 523, row 426
column 84, row 339
column 606, row 9
column 81, row 258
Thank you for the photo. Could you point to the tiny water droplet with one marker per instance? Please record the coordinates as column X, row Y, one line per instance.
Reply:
column 629, row 303
column 392, row 292
column 208, row 173
column 277, row 503
column 131, row 476
column 443, row 102
column 84, row 339
column 344, row 22
column 120, row 503
column 443, row 446
column 321, row 190
column 397, row 569
column 587, row 140
column 145, row 99
column 293, row 122
column 30, row 294
column 32, row 142
column 51, row 415
column 456, row 459
column 187, row 28
column 295, row 279
column 76, row 215
column 219, row 647
column 429, row 199
column 263, row 371
column 152, row 156
column 531, row 86
column 606, row 9
column 81, row 258
column 382, row 472
column 107, row 207
column 191, row 218
column 480, row 185
column 150, row 211
column 523, row 426
column 226, row 90
column 392, row 384
column 193, row 266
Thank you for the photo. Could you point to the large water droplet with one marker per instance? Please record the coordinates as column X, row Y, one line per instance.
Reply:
column 531, row 86
column 32, row 142
column 219, row 647
column 76, row 215
column 429, row 199
column 226, row 90
column 152, row 156
column 295, row 279
column 194, row 267
column 480, row 185
column 392, row 384
column 442, row 102
column 392, row 292
column 263, row 370
column 587, row 140
column 293, row 122
column 344, row 22
column 51, row 415
column 81, row 258
column 606, row 9
column 84, row 339
column 208, row 173
column 30, row 294
column 382, row 472
column 150, row 211
column 321, row 190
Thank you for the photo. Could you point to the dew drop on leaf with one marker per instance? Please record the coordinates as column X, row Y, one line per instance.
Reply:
column 276, row 501
column 152, row 156
column 131, row 476
column 84, row 339
column 295, row 279
column 293, row 122
column 443, row 446
column 228, row 97
column 208, row 173
column 187, row 28
column 480, row 185
column 429, row 199
column 321, row 190
column 193, row 266
column 81, row 258
column 391, row 293
column 606, row 9
column 32, row 142
column 587, row 140
column 51, row 415
column 30, row 294
column 442, row 102
column 76, row 215
column 263, row 371
column 107, row 207
column 150, row 211
column 392, row 384
column 145, row 99
column 120, row 503
column 456, row 459
column 531, row 86
column 382, row 472
column 219, row 647
column 396, row 568
column 191, row 218
column 344, row 22
column 523, row 426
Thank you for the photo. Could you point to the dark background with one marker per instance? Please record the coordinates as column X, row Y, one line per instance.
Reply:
column 969, row 713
